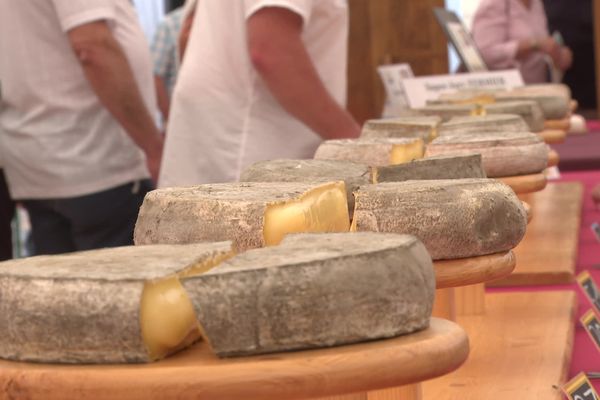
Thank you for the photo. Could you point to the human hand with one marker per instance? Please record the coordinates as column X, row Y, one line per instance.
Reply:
column 566, row 58
column 549, row 46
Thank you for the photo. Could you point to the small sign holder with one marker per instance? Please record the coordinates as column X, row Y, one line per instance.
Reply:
column 587, row 284
column 580, row 388
column 392, row 76
column 590, row 322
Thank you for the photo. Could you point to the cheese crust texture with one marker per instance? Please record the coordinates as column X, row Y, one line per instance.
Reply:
column 455, row 218
column 423, row 127
column 483, row 124
column 315, row 290
column 373, row 152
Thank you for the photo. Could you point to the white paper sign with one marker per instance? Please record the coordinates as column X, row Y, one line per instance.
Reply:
column 421, row 89
column 392, row 77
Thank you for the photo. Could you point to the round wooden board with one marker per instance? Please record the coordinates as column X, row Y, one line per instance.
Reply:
column 528, row 210
column 553, row 136
column 573, row 105
column 473, row 270
column 560, row 124
column 525, row 183
column 553, row 158
column 197, row 373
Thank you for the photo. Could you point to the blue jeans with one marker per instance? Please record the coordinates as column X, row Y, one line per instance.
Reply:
column 97, row 220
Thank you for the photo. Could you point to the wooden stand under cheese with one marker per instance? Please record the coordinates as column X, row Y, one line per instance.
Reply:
column 503, row 153
column 251, row 214
column 455, row 218
column 119, row 305
column 315, row 290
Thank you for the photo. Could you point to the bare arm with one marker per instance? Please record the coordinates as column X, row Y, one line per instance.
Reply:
column 278, row 54
column 109, row 73
column 162, row 96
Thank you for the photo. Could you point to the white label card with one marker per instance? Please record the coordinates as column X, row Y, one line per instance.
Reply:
column 421, row 89
column 392, row 76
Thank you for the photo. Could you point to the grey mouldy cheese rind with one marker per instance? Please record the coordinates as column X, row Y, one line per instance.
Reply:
column 530, row 111
column 353, row 174
column 251, row 214
column 437, row 167
column 554, row 104
column 454, row 218
column 313, row 291
column 447, row 111
column 483, row 124
column 503, row 153
column 373, row 152
column 86, row 307
column 424, row 127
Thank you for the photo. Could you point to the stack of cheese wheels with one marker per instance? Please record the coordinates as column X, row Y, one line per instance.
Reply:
column 529, row 110
column 553, row 100
column 375, row 152
column 423, row 127
column 455, row 218
column 121, row 305
column 503, row 153
column 139, row 304
column 447, row 111
column 355, row 175
column 253, row 214
column 315, row 291
column 483, row 124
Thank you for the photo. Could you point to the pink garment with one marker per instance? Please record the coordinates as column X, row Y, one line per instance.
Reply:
column 499, row 25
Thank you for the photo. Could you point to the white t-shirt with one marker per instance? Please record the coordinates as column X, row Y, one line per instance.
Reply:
column 223, row 117
column 58, row 140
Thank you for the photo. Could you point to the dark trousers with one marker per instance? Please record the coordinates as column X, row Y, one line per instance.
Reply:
column 102, row 219
column 7, row 212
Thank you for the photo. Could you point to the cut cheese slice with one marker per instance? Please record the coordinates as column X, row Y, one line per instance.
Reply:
column 447, row 111
column 119, row 305
column 251, row 214
column 455, row 218
column 483, row 124
column 528, row 110
column 471, row 96
column 423, row 127
column 353, row 174
column 440, row 167
column 503, row 153
column 373, row 152
column 315, row 290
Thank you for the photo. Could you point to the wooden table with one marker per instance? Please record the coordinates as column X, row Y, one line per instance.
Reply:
column 520, row 349
column 525, row 183
column 198, row 374
column 547, row 254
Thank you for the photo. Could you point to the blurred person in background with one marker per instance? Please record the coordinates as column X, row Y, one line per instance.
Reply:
column 514, row 34
column 261, row 79
column 79, row 141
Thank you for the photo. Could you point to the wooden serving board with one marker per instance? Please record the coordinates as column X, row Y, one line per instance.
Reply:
column 197, row 373
column 472, row 270
column 553, row 158
column 548, row 253
column 553, row 136
column 525, row 183
column 520, row 349
column 559, row 124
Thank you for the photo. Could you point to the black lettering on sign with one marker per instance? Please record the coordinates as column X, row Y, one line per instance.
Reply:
column 591, row 324
column 590, row 289
column 580, row 388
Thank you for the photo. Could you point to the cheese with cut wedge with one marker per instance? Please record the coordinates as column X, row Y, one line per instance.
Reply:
column 424, row 127
column 553, row 101
column 373, row 152
column 503, row 153
column 315, row 290
column 252, row 214
column 483, row 124
column 447, row 111
column 455, row 218
column 355, row 175
column 117, row 305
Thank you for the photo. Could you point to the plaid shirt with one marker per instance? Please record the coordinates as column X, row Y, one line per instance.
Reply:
column 164, row 48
